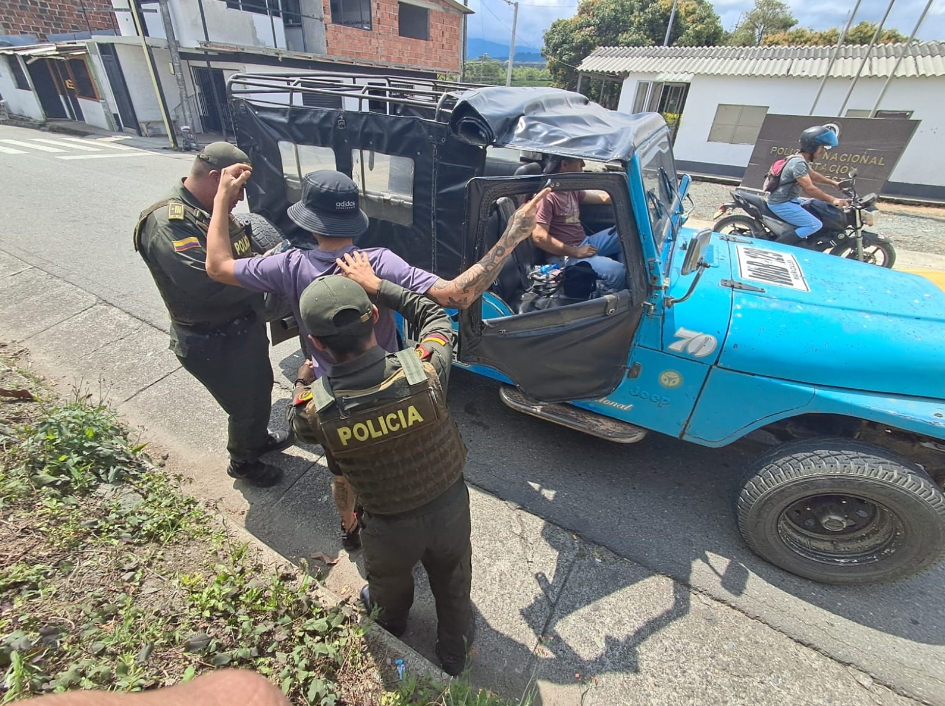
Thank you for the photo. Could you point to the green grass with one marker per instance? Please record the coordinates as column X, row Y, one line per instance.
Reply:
column 112, row 577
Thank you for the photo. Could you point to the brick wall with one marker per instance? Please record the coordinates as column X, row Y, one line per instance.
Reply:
column 43, row 17
column 383, row 43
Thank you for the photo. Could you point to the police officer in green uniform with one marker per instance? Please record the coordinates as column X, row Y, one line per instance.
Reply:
column 390, row 440
column 216, row 330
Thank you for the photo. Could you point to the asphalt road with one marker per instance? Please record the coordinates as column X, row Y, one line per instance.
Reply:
column 662, row 503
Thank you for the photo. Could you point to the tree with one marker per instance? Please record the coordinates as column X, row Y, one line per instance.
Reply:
column 861, row 34
column 864, row 31
column 486, row 70
column 765, row 18
column 624, row 23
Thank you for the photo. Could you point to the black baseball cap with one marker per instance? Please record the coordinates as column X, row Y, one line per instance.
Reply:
column 330, row 206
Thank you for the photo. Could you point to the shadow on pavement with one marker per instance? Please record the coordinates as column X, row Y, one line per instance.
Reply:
column 661, row 503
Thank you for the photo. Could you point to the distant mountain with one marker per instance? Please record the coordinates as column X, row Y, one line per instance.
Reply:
column 476, row 47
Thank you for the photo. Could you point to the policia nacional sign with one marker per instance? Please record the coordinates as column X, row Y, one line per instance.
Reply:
column 872, row 146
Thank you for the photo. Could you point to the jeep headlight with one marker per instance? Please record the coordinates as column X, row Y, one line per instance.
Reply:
column 869, row 218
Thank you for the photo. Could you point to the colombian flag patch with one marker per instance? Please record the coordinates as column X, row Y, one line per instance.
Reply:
column 185, row 244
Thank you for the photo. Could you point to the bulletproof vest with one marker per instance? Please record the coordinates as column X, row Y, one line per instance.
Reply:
column 395, row 443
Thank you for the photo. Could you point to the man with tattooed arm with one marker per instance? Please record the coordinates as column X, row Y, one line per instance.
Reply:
column 330, row 210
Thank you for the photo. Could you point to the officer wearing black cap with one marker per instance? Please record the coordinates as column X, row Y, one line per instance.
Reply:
column 216, row 331
column 389, row 438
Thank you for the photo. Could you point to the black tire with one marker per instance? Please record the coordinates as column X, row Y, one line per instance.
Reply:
column 739, row 225
column 876, row 251
column 887, row 515
column 263, row 235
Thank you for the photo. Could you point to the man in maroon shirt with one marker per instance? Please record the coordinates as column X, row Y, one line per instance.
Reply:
column 558, row 230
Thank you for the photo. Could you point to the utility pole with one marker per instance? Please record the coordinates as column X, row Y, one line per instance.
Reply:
column 508, row 76
column 174, row 49
column 669, row 27
column 152, row 68
column 462, row 66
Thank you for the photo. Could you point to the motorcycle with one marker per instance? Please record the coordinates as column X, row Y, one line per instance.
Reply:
column 842, row 233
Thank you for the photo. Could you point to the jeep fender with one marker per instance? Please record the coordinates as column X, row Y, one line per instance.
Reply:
column 716, row 421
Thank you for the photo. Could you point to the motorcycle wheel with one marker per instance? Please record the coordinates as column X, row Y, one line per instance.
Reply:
column 738, row 225
column 875, row 251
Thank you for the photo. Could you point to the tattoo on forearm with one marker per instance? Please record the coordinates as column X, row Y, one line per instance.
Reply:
column 478, row 278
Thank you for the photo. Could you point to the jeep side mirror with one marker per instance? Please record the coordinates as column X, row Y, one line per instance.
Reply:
column 696, row 250
column 693, row 261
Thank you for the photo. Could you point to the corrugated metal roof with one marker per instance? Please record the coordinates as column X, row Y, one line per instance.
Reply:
column 921, row 59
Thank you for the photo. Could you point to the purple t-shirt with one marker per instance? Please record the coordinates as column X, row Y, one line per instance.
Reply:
column 289, row 273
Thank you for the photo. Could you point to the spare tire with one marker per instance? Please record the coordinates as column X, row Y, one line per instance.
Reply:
column 263, row 235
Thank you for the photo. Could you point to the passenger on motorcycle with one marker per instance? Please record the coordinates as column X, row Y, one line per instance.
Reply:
column 797, row 176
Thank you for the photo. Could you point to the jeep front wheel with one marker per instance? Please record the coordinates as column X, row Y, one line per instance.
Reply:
column 842, row 512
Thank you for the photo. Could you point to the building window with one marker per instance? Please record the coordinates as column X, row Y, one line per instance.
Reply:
column 640, row 97
column 292, row 13
column 414, row 21
column 737, row 124
column 351, row 13
column 386, row 184
column 889, row 114
column 84, row 86
column 299, row 160
column 19, row 76
column 260, row 7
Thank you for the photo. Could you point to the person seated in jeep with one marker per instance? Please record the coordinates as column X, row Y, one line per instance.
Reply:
column 330, row 210
column 797, row 175
column 559, row 232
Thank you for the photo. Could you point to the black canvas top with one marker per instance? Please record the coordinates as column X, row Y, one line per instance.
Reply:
column 549, row 120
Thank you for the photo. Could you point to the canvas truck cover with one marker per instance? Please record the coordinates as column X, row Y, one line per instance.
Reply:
column 442, row 166
column 444, row 132
column 549, row 120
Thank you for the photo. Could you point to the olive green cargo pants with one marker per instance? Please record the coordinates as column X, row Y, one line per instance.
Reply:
column 233, row 364
column 436, row 535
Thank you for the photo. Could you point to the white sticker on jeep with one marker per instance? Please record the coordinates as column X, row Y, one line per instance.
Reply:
column 770, row 267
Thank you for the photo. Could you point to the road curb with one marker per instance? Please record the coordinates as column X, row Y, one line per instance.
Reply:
column 379, row 639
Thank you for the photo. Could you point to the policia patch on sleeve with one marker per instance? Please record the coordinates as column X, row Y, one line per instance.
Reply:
column 175, row 212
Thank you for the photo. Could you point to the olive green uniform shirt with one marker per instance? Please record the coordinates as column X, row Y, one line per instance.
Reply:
column 435, row 346
column 172, row 241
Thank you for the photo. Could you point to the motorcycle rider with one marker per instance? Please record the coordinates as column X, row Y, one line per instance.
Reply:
column 797, row 175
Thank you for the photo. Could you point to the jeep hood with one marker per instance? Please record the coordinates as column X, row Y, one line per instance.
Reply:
column 826, row 321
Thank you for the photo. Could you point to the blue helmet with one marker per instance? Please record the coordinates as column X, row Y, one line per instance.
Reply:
column 814, row 137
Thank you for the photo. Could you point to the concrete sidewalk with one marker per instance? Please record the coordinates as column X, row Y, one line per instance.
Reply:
column 557, row 614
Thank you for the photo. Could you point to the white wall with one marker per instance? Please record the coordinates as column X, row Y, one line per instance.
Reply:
column 140, row 86
column 794, row 96
column 19, row 102
column 93, row 112
column 225, row 26
column 104, row 87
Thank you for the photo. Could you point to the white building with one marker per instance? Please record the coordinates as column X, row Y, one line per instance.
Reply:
column 105, row 81
column 721, row 96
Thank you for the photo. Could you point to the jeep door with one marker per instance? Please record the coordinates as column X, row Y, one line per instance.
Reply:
column 573, row 352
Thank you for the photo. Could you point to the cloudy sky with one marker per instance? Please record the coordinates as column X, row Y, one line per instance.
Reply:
column 493, row 18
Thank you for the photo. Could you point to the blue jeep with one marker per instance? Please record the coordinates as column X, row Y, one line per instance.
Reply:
column 837, row 365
